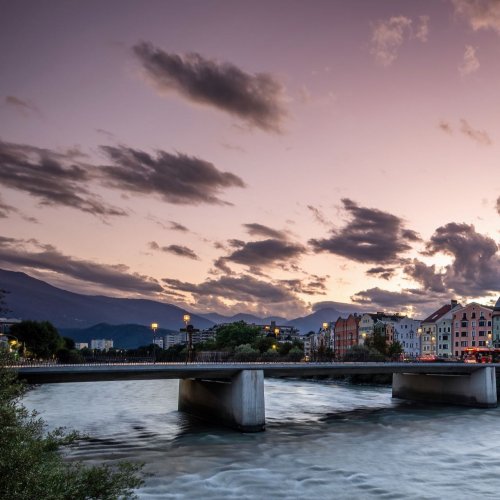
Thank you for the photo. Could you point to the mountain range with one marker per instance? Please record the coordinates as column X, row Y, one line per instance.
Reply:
column 80, row 316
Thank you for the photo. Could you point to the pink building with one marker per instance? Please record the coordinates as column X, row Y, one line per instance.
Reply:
column 471, row 327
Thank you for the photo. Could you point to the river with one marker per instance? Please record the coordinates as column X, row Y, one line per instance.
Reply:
column 323, row 440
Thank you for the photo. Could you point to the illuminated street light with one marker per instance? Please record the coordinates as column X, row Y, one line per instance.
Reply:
column 154, row 327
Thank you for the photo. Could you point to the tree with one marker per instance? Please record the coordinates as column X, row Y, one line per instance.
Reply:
column 363, row 353
column 3, row 306
column 395, row 350
column 234, row 334
column 31, row 465
column 245, row 352
column 40, row 338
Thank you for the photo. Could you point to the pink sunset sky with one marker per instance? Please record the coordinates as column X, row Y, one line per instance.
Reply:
column 268, row 157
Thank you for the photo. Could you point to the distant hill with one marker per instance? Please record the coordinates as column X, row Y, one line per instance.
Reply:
column 30, row 298
column 123, row 336
column 315, row 320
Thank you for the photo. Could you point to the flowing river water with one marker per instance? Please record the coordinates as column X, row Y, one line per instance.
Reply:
column 323, row 439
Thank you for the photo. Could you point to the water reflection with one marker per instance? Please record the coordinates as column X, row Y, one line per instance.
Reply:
column 323, row 440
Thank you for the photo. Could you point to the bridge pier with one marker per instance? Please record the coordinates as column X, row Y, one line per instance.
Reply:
column 237, row 402
column 477, row 389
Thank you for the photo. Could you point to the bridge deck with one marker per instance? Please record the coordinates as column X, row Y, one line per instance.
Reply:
column 128, row 371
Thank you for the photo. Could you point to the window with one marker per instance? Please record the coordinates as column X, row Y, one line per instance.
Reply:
column 482, row 333
column 464, row 324
column 457, row 334
column 482, row 343
column 463, row 343
column 473, row 323
column 445, row 337
column 456, row 344
column 473, row 343
column 464, row 334
column 445, row 347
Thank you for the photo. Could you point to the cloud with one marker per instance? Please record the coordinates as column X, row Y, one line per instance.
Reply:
column 178, row 250
column 385, row 273
column 261, row 254
column 393, row 301
column 470, row 63
column 56, row 179
column 318, row 215
column 422, row 32
column 370, row 236
column 480, row 136
column 313, row 285
column 239, row 293
column 175, row 226
column 481, row 14
column 498, row 205
column 261, row 230
column 425, row 275
column 6, row 210
column 26, row 108
column 388, row 36
column 475, row 270
column 178, row 179
column 445, row 126
column 256, row 99
column 36, row 258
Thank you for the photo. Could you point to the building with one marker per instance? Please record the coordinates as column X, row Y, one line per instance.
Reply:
column 471, row 327
column 495, row 318
column 81, row 345
column 346, row 334
column 181, row 338
column 319, row 344
column 6, row 323
column 429, row 341
column 406, row 333
column 101, row 344
column 281, row 332
column 368, row 321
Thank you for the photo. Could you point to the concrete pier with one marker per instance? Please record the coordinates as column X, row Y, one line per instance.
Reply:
column 237, row 402
column 477, row 389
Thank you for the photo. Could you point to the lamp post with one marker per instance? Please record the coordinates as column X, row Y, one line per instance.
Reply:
column 419, row 335
column 154, row 327
column 189, row 336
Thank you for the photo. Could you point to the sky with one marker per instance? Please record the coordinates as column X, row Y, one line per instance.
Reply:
column 270, row 157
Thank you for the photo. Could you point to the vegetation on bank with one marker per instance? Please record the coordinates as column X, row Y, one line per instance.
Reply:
column 32, row 464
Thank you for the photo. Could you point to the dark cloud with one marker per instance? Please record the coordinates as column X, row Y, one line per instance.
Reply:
column 479, row 136
column 178, row 179
column 25, row 107
column 392, row 300
column 242, row 293
column 261, row 230
column 175, row 226
column 261, row 254
column 370, row 236
column 179, row 250
column 313, row 285
column 56, row 179
column 385, row 273
column 475, row 270
column 34, row 258
column 498, row 205
column 425, row 275
column 256, row 99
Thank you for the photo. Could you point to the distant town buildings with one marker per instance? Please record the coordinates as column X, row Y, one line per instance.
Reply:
column 81, row 345
column 101, row 344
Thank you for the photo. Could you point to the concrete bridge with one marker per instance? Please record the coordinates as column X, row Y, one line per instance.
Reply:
column 233, row 393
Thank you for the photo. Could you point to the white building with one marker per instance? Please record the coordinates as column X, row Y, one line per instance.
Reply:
column 81, row 345
column 406, row 333
column 101, row 344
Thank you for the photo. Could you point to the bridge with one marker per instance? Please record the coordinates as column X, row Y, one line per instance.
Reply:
column 233, row 393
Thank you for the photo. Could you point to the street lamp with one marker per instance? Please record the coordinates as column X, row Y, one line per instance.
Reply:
column 154, row 327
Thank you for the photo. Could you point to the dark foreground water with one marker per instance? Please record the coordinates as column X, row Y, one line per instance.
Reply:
column 323, row 440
